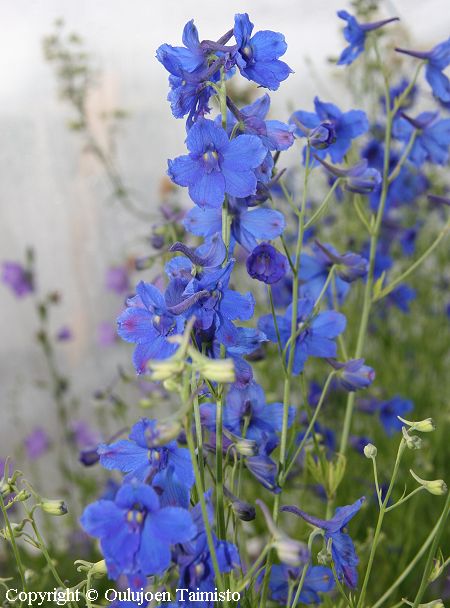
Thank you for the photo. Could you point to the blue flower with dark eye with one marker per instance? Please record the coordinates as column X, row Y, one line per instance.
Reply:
column 168, row 468
column 318, row 579
column 247, row 225
column 342, row 549
column 257, row 56
column 346, row 127
column 355, row 33
column 246, row 410
column 135, row 533
column 148, row 323
column 437, row 60
column 266, row 264
column 432, row 141
column 315, row 333
column 215, row 165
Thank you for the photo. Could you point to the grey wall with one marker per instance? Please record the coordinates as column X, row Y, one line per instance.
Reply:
column 55, row 198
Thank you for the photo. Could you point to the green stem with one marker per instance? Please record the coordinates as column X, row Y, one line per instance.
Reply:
column 387, row 290
column 249, row 575
column 432, row 552
column 13, row 545
column 381, row 515
column 220, row 506
column 290, row 364
column 405, row 499
column 323, row 205
column 367, row 302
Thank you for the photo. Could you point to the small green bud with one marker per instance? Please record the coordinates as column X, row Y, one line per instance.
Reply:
column 423, row 426
column 21, row 496
column 163, row 370
column 166, row 431
column 412, row 441
column 16, row 530
column 370, row 451
column 215, row 370
column 99, row 568
column 438, row 487
column 438, row 569
column 54, row 507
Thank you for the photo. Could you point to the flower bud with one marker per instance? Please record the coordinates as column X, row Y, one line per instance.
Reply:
column 370, row 451
column 423, row 426
column 21, row 496
column 243, row 510
column 54, row 507
column 412, row 441
column 166, row 431
column 438, row 569
column 16, row 530
column 165, row 369
column 438, row 487
column 215, row 370
column 322, row 136
column 99, row 568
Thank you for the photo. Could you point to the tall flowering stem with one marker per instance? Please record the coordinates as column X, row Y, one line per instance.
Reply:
column 375, row 228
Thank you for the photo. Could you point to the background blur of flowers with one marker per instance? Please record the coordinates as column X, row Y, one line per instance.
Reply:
column 57, row 199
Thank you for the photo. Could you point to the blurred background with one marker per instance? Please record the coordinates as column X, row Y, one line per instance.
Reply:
column 55, row 197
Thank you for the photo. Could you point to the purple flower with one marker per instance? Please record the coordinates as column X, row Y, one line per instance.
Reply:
column 355, row 33
column 148, row 323
column 350, row 266
column 215, row 165
column 342, row 549
column 266, row 264
column 135, row 533
column 117, row 279
column 17, row 278
column 359, row 178
column 257, row 56
column 346, row 127
column 83, row 434
column 64, row 334
column 315, row 333
column 37, row 443
column 437, row 60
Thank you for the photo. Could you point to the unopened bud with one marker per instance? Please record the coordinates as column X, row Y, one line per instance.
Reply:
column 412, row 441
column 438, row 569
column 423, row 426
column 54, row 507
column 370, row 451
column 243, row 510
column 166, row 369
column 21, row 496
column 215, row 370
column 16, row 530
column 166, row 431
column 438, row 487
column 99, row 568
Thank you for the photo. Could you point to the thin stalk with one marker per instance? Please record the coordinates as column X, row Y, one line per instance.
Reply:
column 220, row 506
column 405, row 499
column 13, row 545
column 323, row 205
column 381, row 515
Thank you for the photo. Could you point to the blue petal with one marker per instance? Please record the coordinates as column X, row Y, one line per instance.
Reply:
column 439, row 83
column 244, row 152
column 329, row 324
column 171, row 525
column 122, row 455
column 243, row 28
column 237, row 306
column 268, row 45
column 209, row 190
column 268, row 73
column 205, row 133
column 266, row 224
column 190, row 36
column 203, row 222
column 159, row 348
column 184, row 170
column 151, row 297
column 154, row 554
column 136, row 325
column 101, row 518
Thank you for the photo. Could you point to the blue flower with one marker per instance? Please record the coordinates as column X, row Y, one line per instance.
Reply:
column 266, row 264
column 346, row 125
column 274, row 134
column 432, row 141
column 215, row 165
column 358, row 178
column 388, row 412
column 318, row 579
column 353, row 374
column 194, row 558
column 342, row 549
column 148, row 323
column 349, row 266
column 166, row 467
column 246, row 408
column 247, row 225
column 257, row 56
column 355, row 33
column 437, row 60
column 18, row 278
column 401, row 297
column 315, row 333
column 135, row 533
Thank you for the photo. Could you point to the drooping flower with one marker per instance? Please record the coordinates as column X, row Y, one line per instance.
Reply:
column 135, row 533
column 432, row 141
column 315, row 333
column 216, row 166
column 257, row 56
column 342, row 549
column 37, row 443
column 247, row 225
column 166, row 467
column 437, row 60
column 355, row 34
column 359, row 178
column 349, row 266
column 318, row 579
column 353, row 375
column 266, row 264
column 17, row 278
column 148, row 323
column 346, row 126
